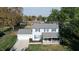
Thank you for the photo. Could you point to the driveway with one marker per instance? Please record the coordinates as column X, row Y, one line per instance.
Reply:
column 20, row 45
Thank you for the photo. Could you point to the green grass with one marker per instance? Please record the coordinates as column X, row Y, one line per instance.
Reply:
column 7, row 42
column 40, row 47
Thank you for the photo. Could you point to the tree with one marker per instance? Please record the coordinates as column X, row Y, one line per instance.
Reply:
column 30, row 18
column 34, row 18
column 44, row 19
column 54, row 16
column 68, row 18
column 10, row 16
column 25, row 18
column 70, row 27
column 39, row 18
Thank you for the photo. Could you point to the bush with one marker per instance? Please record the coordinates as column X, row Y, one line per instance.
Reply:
column 1, row 34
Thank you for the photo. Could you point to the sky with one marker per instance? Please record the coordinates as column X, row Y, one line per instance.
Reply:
column 36, row 11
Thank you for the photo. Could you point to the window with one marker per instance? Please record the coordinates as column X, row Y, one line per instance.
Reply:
column 37, row 36
column 56, row 30
column 37, row 30
column 53, row 30
column 46, row 30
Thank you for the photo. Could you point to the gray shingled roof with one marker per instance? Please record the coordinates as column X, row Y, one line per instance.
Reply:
column 44, row 25
column 24, row 31
column 50, row 35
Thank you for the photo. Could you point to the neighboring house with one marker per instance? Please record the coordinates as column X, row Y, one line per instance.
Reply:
column 46, row 33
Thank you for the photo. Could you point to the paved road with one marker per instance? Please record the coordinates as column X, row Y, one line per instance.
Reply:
column 20, row 45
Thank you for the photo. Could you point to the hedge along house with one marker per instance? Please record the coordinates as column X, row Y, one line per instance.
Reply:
column 46, row 33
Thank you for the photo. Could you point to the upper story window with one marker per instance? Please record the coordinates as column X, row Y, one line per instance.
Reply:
column 53, row 30
column 37, row 30
column 46, row 30
column 57, row 30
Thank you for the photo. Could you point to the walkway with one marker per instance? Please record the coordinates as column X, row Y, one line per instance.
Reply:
column 35, row 43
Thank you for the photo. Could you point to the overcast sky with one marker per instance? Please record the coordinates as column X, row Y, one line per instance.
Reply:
column 36, row 11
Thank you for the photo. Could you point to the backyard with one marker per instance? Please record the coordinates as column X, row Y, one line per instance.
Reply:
column 40, row 47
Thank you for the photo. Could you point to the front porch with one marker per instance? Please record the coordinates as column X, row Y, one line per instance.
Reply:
column 50, row 38
column 51, row 41
column 45, row 41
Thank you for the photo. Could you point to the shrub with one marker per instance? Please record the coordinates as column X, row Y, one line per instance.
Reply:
column 1, row 34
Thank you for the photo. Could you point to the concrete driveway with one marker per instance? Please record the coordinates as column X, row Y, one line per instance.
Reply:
column 20, row 45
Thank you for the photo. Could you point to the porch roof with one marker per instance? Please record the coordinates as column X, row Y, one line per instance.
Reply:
column 50, row 35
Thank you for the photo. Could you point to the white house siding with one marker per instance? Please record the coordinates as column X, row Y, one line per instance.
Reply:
column 50, row 30
column 37, row 34
column 24, row 36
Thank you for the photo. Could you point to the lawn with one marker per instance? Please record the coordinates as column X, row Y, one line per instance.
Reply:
column 40, row 47
column 7, row 42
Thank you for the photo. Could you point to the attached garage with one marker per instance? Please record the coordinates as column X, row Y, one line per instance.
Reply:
column 24, row 34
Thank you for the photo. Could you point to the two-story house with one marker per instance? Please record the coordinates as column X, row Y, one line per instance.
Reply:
column 46, row 33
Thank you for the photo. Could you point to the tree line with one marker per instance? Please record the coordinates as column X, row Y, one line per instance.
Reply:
column 10, row 16
column 32, row 18
column 68, row 19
